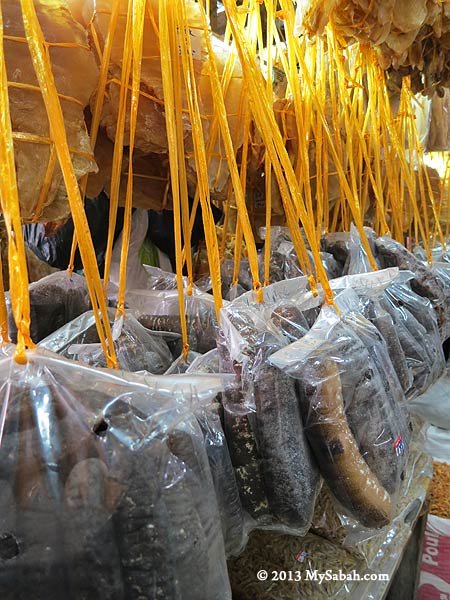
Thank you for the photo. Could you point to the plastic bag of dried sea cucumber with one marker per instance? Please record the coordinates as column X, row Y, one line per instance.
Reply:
column 284, row 259
column 136, row 348
column 54, row 301
column 230, row 508
column 160, row 311
column 276, row 474
column 357, row 428
column 211, row 419
column 425, row 282
column 418, row 332
column 405, row 320
column 106, row 484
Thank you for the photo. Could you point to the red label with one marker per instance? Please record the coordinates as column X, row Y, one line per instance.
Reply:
column 435, row 569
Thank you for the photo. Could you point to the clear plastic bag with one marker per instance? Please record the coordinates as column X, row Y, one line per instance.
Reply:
column 158, row 310
column 54, row 301
column 351, row 406
column 136, row 348
column 337, row 244
column 425, row 283
column 405, row 320
column 277, row 476
column 205, row 363
column 181, row 364
column 157, row 279
column 417, row 474
column 442, row 271
column 227, row 493
column 416, row 325
column 135, row 272
column 382, row 320
column 109, row 485
column 284, row 261
column 300, row 557
column 358, row 261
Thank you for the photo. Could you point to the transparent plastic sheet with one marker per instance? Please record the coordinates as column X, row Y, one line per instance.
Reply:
column 417, row 329
column 108, row 485
column 276, row 474
column 136, row 348
column 353, row 413
column 279, row 552
column 417, row 474
column 442, row 271
column 135, row 272
column 234, row 527
column 406, row 321
column 371, row 307
column 245, row 317
column 358, row 261
column 337, row 244
column 229, row 291
column 206, row 363
column 181, row 364
column 54, row 301
column 425, row 283
column 234, row 522
column 157, row 279
column 284, row 261
column 158, row 310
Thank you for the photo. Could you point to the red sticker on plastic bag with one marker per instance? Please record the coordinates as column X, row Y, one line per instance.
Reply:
column 399, row 446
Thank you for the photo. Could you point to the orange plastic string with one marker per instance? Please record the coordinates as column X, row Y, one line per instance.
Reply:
column 220, row 110
column 137, row 40
column 9, row 199
column 200, row 158
column 46, row 81
column 168, row 46
column 3, row 311
column 119, row 144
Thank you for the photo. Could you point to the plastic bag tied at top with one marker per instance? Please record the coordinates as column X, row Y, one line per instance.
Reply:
column 105, row 485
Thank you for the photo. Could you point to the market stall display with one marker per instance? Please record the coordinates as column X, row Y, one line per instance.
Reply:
column 258, row 404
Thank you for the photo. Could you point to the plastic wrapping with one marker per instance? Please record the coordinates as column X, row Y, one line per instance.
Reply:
column 358, row 261
column 158, row 310
column 406, row 321
column 442, row 271
column 276, row 474
column 205, row 363
column 284, row 261
column 181, row 364
column 352, row 409
column 54, row 301
column 416, row 325
column 337, row 244
column 108, row 486
column 327, row 523
column 136, row 348
column 425, row 282
column 275, row 553
column 135, row 272
column 382, row 320
column 210, row 419
column 225, row 485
